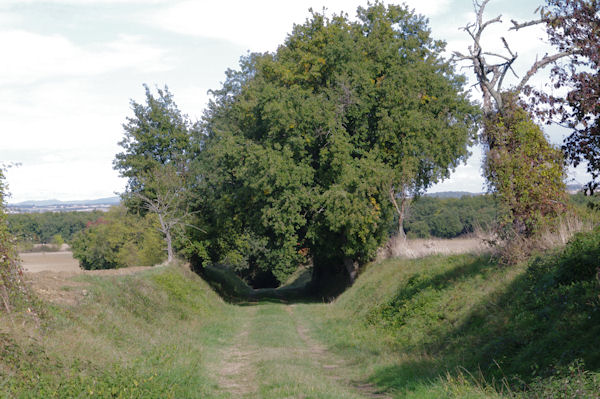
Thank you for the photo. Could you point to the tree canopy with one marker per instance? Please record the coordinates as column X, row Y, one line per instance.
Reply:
column 158, row 148
column 306, row 148
column 574, row 25
column 157, row 134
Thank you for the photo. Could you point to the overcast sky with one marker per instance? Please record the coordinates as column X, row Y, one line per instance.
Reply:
column 70, row 67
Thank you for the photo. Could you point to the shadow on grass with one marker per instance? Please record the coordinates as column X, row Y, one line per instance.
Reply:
column 234, row 290
column 417, row 283
column 535, row 328
column 526, row 331
column 406, row 377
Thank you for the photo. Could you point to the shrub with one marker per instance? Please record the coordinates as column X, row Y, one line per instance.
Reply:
column 11, row 284
column 119, row 240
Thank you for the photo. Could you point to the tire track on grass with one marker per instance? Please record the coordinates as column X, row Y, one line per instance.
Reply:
column 237, row 374
column 330, row 362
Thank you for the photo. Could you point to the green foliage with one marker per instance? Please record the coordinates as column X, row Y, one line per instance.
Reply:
column 530, row 328
column 450, row 217
column 11, row 283
column 57, row 240
column 523, row 171
column 118, row 240
column 157, row 134
column 40, row 228
column 305, row 145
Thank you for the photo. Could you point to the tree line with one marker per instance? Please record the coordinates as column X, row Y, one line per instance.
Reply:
column 43, row 228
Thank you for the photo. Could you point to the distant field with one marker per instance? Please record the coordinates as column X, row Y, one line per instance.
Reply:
column 62, row 261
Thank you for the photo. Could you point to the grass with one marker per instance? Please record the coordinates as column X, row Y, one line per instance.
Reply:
column 462, row 326
column 147, row 335
column 456, row 326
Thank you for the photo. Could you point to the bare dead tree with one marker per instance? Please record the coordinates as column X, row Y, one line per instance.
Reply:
column 491, row 68
column 513, row 174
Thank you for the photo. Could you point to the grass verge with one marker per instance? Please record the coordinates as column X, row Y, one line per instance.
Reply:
column 462, row 326
column 147, row 335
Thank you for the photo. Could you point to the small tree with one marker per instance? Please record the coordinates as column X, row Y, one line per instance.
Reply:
column 165, row 196
column 157, row 148
column 58, row 241
column 523, row 170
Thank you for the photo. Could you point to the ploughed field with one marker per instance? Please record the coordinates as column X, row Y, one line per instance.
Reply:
column 61, row 261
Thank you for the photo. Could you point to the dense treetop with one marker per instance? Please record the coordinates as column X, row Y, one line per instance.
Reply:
column 306, row 147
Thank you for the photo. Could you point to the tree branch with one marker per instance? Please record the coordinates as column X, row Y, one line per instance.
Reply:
column 548, row 59
column 517, row 25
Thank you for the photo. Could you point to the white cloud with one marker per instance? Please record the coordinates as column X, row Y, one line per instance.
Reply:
column 430, row 8
column 259, row 25
column 59, row 115
column 466, row 177
column 76, row 179
column 30, row 57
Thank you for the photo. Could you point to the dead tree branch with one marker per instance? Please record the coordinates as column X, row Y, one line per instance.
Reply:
column 517, row 25
column 491, row 75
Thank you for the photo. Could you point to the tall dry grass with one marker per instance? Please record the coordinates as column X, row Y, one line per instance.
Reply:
column 553, row 236
column 417, row 248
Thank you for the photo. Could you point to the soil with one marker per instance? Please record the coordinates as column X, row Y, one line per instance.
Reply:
column 61, row 261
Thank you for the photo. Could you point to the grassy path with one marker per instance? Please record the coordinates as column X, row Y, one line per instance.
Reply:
column 274, row 355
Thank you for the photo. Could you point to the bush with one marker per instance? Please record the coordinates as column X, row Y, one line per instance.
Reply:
column 11, row 284
column 119, row 240
column 580, row 261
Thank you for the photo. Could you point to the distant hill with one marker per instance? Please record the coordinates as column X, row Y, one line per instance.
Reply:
column 574, row 188
column 452, row 194
column 53, row 205
column 54, row 202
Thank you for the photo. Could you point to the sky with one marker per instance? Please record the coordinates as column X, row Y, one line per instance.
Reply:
column 70, row 68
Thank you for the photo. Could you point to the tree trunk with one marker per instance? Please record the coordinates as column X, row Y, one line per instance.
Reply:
column 400, row 210
column 351, row 268
column 169, row 246
column 166, row 229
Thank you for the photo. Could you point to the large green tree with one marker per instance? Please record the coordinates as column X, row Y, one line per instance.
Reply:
column 309, row 147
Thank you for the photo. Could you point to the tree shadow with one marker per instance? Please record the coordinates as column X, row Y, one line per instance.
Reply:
column 534, row 328
column 531, row 328
column 235, row 290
